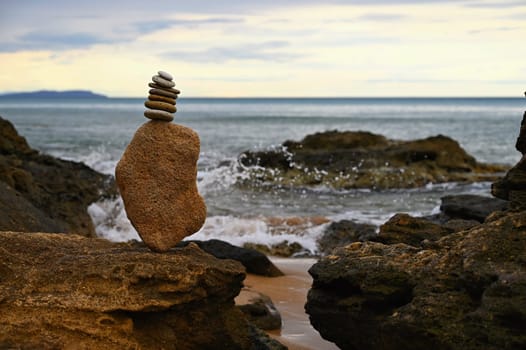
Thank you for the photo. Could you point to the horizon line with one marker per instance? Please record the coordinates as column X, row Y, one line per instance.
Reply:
column 104, row 96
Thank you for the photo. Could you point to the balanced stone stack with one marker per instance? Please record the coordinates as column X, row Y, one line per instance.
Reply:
column 161, row 100
column 157, row 174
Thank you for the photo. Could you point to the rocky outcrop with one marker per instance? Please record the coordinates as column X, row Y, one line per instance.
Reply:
column 259, row 309
column 42, row 193
column 471, row 207
column 345, row 160
column 344, row 232
column 513, row 186
column 66, row 291
column 404, row 228
column 466, row 290
column 254, row 261
column 465, row 293
column 400, row 228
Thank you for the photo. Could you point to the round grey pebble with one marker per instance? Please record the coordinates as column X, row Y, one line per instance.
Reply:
column 163, row 82
column 165, row 75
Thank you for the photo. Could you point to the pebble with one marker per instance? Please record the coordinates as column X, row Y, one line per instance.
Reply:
column 158, row 105
column 161, row 98
column 158, row 115
column 163, row 82
column 165, row 75
column 155, row 86
column 162, row 93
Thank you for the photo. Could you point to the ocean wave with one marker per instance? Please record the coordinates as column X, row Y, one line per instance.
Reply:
column 111, row 222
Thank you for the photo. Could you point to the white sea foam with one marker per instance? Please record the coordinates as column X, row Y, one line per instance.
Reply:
column 111, row 222
column 109, row 218
column 101, row 161
column 220, row 178
column 238, row 231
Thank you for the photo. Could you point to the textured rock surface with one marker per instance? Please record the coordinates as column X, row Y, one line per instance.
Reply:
column 468, row 292
column 365, row 160
column 513, row 186
column 255, row 262
column 464, row 291
column 471, row 207
column 404, row 228
column 341, row 233
column 157, row 179
column 70, row 292
column 42, row 193
column 259, row 309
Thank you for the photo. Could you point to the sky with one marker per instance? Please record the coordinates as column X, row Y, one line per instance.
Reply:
column 286, row 48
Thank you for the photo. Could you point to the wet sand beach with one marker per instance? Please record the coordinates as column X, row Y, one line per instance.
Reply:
column 289, row 294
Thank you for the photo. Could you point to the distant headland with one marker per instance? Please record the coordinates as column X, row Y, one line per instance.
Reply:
column 41, row 94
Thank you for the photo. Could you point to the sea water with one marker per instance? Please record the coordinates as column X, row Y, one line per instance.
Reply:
column 96, row 132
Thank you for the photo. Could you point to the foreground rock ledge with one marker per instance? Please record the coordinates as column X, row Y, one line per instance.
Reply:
column 59, row 292
column 466, row 292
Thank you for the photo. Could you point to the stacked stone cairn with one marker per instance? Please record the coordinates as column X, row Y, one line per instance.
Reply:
column 161, row 100
column 157, row 174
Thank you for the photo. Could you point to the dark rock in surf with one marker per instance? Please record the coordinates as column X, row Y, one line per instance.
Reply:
column 471, row 207
column 259, row 309
column 284, row 249
column 345, row 160
column 344, row 232
column 41, row 193
column 512, row 187
column 404, row 228
column 466, row 293
column 254, row 261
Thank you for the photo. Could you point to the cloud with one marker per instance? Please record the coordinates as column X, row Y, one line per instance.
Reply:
column 382, row 17
column 497, row 4
column 60, row 35
column 497, row 29
column 266, row 51
column 517, row 16
column 48, row 41
column 146, row 27
column 445, row 81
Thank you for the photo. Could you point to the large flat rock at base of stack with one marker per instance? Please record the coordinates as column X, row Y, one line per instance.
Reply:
column 70, row 292
column 157, row 179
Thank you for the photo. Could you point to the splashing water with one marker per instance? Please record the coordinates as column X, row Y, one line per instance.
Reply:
column 97, row 133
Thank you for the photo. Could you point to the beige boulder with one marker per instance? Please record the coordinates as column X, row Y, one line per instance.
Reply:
column 157, row 180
